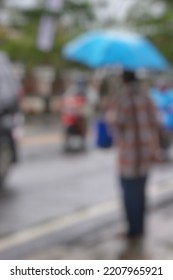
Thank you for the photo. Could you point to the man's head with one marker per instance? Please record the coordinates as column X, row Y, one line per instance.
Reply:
column 129, row 77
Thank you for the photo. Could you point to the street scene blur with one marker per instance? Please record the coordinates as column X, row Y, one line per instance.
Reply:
column 86, row 130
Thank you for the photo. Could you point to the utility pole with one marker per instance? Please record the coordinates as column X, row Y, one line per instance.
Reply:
column 47, row 30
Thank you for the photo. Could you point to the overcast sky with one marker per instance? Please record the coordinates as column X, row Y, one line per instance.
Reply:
column 117, row 8
column 23, row 3
column 114, row 7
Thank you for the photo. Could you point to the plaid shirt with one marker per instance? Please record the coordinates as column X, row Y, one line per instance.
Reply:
column 137, row 123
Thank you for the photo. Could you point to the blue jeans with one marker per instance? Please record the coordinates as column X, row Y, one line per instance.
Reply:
column 134, row 203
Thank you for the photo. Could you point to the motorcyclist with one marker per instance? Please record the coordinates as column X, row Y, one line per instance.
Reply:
column 73, row 113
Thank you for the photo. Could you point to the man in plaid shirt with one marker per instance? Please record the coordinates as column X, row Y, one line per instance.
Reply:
column 138, row 142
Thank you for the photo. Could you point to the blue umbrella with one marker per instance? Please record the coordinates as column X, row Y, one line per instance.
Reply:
column 106, row 48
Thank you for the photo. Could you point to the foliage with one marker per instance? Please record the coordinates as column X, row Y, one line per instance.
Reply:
column 154, row 19
column 23, row 47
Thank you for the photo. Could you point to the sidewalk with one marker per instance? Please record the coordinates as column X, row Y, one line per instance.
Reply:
column 41, row 126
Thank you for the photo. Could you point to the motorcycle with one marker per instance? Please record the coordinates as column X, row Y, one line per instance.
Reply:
column 74, row 122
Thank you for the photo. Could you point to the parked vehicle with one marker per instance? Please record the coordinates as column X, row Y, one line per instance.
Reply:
column 11, row 119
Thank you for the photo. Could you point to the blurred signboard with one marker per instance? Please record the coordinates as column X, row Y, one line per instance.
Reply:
column 46, row 33
column 47, row 26
column 54, row 5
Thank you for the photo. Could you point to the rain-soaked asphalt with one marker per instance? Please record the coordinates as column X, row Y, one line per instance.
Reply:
column 49, row 192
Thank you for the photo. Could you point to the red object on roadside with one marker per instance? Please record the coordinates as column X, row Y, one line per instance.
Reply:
column 68, row 120
column 72, row 109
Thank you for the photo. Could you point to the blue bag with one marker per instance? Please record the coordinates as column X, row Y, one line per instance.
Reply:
column 104, row 138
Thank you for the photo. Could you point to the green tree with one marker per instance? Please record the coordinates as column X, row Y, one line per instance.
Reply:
column 73, row 19
column 154, row 19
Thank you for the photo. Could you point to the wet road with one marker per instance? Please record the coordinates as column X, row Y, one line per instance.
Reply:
column 47, row 184
column 49, row 192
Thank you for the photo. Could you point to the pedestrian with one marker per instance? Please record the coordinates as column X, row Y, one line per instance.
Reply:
column 138, row 142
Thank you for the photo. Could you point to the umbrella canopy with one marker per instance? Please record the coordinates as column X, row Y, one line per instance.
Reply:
column 106, row 48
